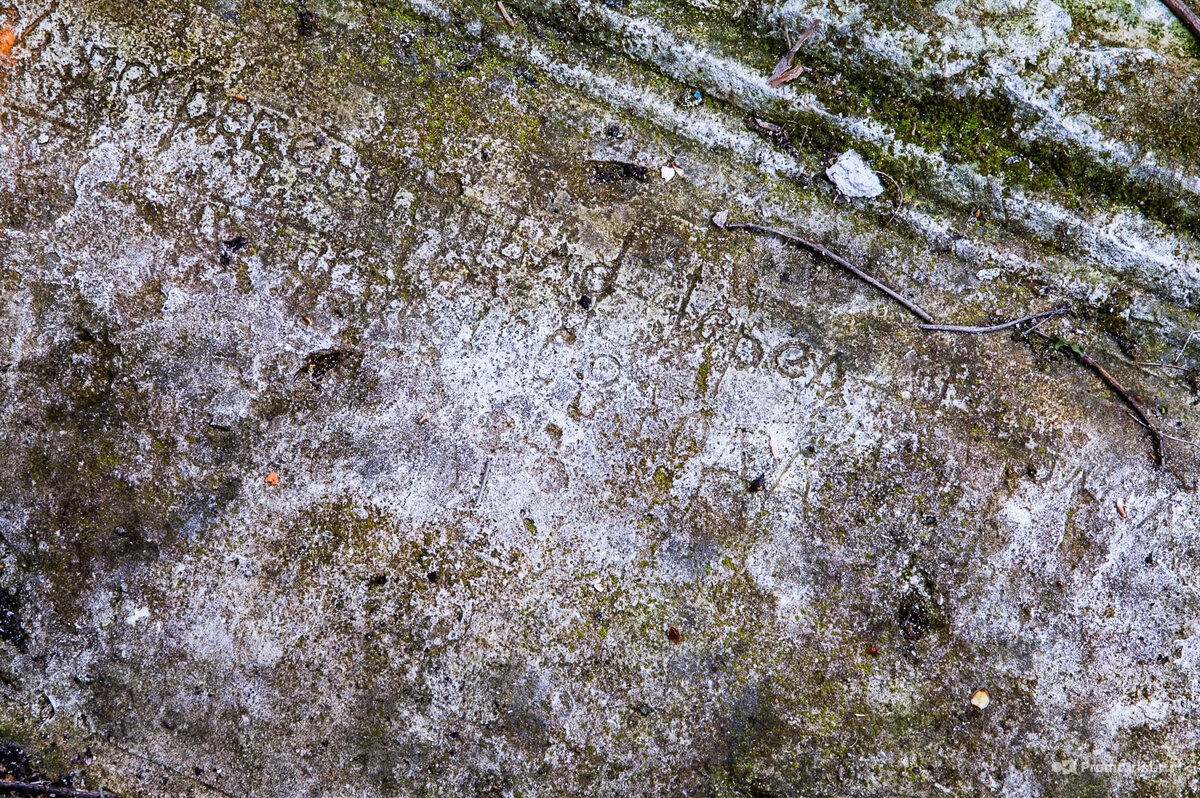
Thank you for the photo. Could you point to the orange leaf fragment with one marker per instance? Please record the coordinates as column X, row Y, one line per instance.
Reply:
column 272, row 478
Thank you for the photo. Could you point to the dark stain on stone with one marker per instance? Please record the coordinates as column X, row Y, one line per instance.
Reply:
column 306, row 23
column 93, row 434
column 917, row 613
column 525, row 75
column 753, row 734
column 318, row 365
column 519, row 714
column 616, row 171
column 11, row 629
column 15, row 763
column 88, row 510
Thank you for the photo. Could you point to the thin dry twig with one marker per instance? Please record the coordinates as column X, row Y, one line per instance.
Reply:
column 1082, row 357
column 784, row 71
column 832, row 257
column 487, row 468
column 1035, row 327
column 1165, row 435
column 995, row 327
column 165, row 766
column 33, row 25
column 1117, row 388
column 504, row 13
column 1187, row 16
column 1183, row 348
column 25, row 788
column 1161, row 365
column 720, row 219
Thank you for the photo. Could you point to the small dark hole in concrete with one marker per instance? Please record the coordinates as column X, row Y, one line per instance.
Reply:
column 912, row 617
column 307, row 22
column 319, row 364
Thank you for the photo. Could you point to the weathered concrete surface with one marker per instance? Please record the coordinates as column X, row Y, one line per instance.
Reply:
column 352, row 249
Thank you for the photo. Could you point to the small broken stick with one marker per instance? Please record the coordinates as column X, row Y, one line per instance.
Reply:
column 995, row 327
column 504, row 13
column 1187, row 16
column 487, row 468
column 720, row 220
column 1081, row 356
column 1118, row 389
column 784, row 71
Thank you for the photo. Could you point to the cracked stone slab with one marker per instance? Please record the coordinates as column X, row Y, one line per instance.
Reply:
column 373, row 426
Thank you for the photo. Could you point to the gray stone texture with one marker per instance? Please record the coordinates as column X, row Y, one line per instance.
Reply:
column 372, row 407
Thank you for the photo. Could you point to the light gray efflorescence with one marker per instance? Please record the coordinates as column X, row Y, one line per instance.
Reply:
column 373, row 406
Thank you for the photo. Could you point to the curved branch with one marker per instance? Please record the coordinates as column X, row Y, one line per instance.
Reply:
column 1187, row 16
column 995, row 327
column 1111, row 382
column 832, row 257
column 719, row 219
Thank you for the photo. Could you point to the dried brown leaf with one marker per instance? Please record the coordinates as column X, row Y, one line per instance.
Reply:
column 784, row 71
